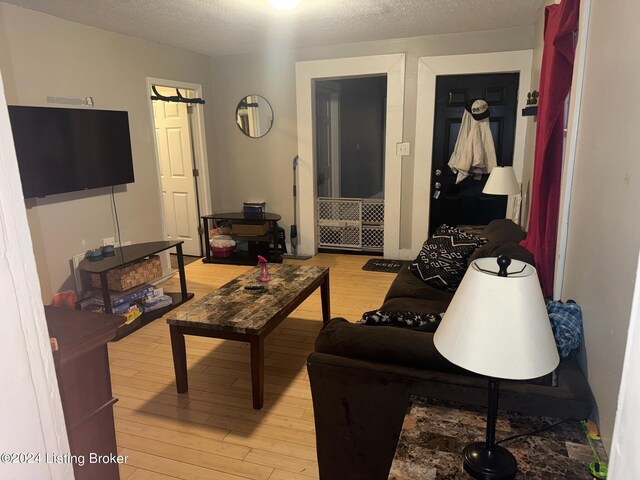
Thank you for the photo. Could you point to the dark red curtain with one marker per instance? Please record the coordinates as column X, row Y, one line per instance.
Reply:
column 561, row 22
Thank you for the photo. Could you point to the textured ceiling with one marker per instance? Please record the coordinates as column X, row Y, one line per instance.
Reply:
column 224, row 27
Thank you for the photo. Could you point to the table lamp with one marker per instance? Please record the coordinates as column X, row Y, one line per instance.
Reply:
column 502, row 181
column 497, row 325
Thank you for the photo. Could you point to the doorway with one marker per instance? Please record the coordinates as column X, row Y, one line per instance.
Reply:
column 307, row 74
column 429, row 69
column 350, row 124
column 181, row 161
column 464, row 203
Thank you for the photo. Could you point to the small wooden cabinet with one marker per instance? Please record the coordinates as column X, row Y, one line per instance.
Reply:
column 82, row 368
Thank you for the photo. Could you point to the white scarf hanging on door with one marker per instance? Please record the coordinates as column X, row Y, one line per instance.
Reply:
column 474, row 153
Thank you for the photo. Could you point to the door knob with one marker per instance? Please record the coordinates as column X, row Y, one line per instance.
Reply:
column 437, row 185
column 438, row 173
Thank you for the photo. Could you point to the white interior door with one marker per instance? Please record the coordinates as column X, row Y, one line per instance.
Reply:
column 176, row 172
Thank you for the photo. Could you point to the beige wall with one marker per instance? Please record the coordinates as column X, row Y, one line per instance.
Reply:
column 260, row 169
column 604, row 226
column 42, row 56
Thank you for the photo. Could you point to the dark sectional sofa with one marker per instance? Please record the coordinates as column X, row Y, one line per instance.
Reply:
column 363, row 376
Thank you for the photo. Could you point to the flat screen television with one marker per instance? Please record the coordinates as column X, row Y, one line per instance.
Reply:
column 65, row 150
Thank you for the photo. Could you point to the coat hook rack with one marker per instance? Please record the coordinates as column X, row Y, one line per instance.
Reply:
column 177, row 98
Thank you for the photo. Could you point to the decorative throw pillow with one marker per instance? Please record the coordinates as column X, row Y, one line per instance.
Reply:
column 443, row 259
column 424, row 322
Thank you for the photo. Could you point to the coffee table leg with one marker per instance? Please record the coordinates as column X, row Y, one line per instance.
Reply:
column 324, row 296
column 179, row 358
column 257, row 371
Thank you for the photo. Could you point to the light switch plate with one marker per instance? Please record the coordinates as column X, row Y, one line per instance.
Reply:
column 403, row 149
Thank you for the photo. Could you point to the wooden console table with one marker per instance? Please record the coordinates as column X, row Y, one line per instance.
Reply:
column 82, row 368
column 242, row 218
column 128, row 254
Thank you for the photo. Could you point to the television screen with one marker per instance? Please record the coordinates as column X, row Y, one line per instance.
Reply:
column 64, row 150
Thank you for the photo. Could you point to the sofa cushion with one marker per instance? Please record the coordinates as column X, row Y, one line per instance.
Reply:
column 407, row 286
column 419, row 305
column 443, row 259
column 510, row 249
column 422, row 322
column 503, row 230
column 391, row 345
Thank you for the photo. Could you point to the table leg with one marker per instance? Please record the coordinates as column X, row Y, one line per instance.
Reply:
column 275, row 253
column 183, row 280
column 106, row 294
column 179, row 351
column 207, row 244
column 257, row 371
column 326, row 302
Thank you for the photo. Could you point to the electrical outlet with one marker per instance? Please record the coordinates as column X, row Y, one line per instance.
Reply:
column 108, row 241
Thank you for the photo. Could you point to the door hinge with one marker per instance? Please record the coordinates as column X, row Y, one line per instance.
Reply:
column 189, row 109
column 200, row 230
column 196, row 172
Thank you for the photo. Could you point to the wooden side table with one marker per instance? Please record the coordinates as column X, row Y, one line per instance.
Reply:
column 435, row 432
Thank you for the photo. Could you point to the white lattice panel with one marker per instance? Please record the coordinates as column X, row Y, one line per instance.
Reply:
column 339, row 209
column 372, row 237
column 373, row 211
column 339, row 237
column 353, row 224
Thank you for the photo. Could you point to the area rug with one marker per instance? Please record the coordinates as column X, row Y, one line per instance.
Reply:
column 383, row 265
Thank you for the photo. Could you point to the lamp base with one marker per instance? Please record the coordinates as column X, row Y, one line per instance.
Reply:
column 483, row 464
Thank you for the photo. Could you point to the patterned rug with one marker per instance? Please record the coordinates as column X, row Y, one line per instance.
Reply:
column 382, row 265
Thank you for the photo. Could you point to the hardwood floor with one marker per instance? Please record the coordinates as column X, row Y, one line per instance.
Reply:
column 212, row 432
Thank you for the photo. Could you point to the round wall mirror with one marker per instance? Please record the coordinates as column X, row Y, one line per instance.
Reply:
column 254, row 116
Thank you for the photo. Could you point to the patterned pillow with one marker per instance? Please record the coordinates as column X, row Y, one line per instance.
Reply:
column 424, row 322
column 443, row 259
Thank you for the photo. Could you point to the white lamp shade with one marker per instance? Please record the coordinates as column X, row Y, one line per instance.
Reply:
column 502, row 181
column 498, row 326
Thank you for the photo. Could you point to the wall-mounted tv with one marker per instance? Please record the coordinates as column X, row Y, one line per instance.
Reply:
column 65, row 150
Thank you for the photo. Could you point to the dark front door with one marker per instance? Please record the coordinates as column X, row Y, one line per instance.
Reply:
column 464, row 203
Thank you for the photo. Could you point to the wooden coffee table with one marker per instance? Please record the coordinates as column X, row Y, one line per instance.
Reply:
column 233, row 313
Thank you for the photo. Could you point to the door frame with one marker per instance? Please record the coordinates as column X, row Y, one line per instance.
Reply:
column 334, row 115
column 37, row 420
column 393, row 66
column 428, row 69
column 199, row 144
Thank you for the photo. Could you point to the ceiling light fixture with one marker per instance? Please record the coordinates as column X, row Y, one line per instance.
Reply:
column 284, row 4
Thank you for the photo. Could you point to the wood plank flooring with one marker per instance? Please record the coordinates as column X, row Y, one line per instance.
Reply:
column 212, row 431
